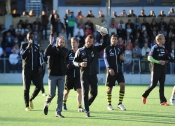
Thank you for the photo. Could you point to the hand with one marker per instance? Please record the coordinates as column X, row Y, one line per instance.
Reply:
column 162, row 62
column 121, row 57
column 40, row 69
column 83, row 64
column 111, row 71
column 67, row 66
column 50, row 39
column 102, row 34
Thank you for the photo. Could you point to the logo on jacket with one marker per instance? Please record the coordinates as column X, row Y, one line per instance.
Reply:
column 83, row 53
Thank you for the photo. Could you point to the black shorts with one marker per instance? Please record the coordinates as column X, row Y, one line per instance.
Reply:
column 72, row 82
column 110, row 80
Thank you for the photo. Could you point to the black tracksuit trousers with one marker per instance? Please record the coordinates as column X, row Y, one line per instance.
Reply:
column 155, row 77
column 29, row 75
column 89, row 83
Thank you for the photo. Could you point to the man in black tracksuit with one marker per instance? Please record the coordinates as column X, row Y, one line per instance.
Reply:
column 31, row 69
column 87, row 59
column 72, row 78
column 113, row 57
column 157, row 58
column 43, row 61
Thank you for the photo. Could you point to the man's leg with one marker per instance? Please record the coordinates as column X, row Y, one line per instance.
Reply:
column 110, row 82
column 37, row 83
column 65, row 96
column 154, row 80
column 85, row 92
column 52, row 81
column 93, row 88
column 60, row 96
column 172, row 99
column 26, row 84
column 109, row 96
column 161, row 89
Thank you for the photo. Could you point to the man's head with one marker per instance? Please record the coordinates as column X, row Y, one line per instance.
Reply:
column 114, row 13
column 100, row 12
column 123, row 12
column 67, row 11
column 61, row 41
column 142, row 12
column 162, row 12
column 30, row 37
column 74, row 43
column 131, row 11
column 160, row 39
column 172, row 10
column 90, row 11
column 114, row 40
column 89, row 41
column 54, row 11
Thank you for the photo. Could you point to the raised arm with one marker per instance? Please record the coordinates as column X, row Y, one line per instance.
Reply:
column 104, row 43
column 24, row 51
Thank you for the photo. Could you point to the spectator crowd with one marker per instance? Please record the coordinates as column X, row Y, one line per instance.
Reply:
column 135, row 38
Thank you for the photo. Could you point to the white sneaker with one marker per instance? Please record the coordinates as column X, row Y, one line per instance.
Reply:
column 81, row 109
column 172, row 100
column 44, row 94
column 122, row 107
column 110, row 107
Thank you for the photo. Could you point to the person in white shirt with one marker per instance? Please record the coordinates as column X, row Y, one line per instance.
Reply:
column 171, row 13
column 20, row 29
column 145, row 49
column 13, row 59
column 123, row 14
column 112, row 30
column 103, row 23
column 121, row 23
column 79, row 29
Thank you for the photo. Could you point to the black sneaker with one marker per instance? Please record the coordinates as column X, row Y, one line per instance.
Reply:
column 45, row 110
column 59, row 115
column 64, row 107
column 87, row 114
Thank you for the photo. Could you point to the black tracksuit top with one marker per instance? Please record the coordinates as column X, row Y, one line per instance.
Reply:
column 89, row 55
column 30, row 57
column 111, row 58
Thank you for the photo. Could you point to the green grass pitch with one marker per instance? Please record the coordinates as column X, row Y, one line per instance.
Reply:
column 12, row 109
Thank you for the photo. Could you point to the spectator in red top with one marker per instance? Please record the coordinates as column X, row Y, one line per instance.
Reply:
column 79, row 15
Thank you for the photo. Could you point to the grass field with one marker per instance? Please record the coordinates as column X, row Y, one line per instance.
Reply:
column 12, row 109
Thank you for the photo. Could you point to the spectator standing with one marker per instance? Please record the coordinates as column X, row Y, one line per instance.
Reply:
column 44, row 22
column 123, row 14
column 131, row 14
column 171, row 13
column 80, row 15
column 145, row 50
column 15, row 13
column 162, row 14
column 152, row 14
column 53, row 20
column 66, row 21
column 90, row 14
column 142, row 14
column 114, row 14
column 71, row 23
column 128, row 60
column 101, row 15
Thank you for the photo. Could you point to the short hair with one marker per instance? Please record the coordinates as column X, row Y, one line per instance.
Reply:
column 29, row 34
column 158, row 37
column 90, row 36
column 75, row 39
column 61, row 37
column 114, row 35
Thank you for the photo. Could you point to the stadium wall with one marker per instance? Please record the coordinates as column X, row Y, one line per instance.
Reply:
column 129, row 79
